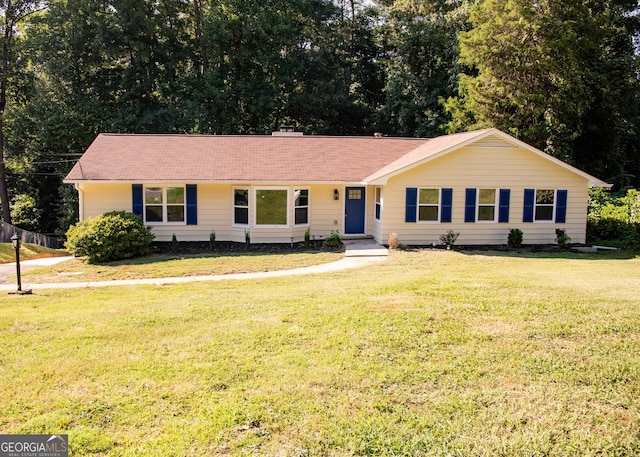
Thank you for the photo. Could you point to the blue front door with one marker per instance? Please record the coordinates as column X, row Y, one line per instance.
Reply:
column 354, row 210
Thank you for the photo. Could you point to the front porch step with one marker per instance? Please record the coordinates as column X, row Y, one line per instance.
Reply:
column 356, row 237
column 364, row 248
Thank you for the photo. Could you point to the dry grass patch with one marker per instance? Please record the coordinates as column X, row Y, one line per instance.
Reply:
column 159, row 266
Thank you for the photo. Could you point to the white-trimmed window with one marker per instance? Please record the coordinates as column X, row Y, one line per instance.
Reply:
column 487, row 205
column 164, row 205
column 301, row 207
column 272, row 206
column 378, row 203
column 544, row 205
column 241, row 206
column 428, row 205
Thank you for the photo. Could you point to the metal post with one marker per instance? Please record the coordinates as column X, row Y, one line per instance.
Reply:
column 18, row 268
column 15, row 240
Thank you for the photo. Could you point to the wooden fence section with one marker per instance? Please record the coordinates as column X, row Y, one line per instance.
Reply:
column 7, row 231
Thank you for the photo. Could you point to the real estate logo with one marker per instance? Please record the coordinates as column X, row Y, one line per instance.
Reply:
column 34, row 446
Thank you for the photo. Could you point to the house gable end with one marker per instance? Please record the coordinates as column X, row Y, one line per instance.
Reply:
column 482, row 139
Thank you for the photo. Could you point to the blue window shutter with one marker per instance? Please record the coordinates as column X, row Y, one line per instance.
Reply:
column 470, row 205
column 411, row 204
column 561, row 206
column 529, row 203
column 447, row 205
column 503, row 205
column 192, row 204
column 137, row 207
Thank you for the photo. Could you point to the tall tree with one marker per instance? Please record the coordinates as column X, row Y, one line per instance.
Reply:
column 540, row 70
column 421, row 66
column 13, row 13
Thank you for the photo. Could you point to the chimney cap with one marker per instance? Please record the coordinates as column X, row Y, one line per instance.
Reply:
column 287, row 130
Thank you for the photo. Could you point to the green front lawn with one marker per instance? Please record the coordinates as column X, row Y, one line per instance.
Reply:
column 164, row 266
column 429, row 353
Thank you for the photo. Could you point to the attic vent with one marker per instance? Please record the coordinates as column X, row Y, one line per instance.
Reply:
column 492, row 141
column 287, row 130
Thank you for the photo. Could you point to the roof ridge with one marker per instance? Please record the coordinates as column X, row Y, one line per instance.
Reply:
column 259, row 135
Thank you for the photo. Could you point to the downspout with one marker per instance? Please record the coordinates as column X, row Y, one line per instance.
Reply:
column 80, row 201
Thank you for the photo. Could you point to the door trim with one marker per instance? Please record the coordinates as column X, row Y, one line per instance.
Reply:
column 361, row 210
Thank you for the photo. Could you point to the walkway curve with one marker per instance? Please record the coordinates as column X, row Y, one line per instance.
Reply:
column 356, row 255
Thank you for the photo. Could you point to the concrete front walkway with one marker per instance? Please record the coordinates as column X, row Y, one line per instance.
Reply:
column 358, row 253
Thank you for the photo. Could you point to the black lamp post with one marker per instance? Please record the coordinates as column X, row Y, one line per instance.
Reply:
column 16, row 241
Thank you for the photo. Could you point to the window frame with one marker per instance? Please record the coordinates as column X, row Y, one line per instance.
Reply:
column 495, row 204
column 235, row 206
column 438, row 206
column 164, row 204
column 296, row 207
column 378, row 203
column 554, row 193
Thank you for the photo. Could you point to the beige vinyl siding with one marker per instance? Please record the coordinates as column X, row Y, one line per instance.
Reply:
column 100, row 198
column 376, row 226
column 325, row 213
column 492, row 165
column 215, row 212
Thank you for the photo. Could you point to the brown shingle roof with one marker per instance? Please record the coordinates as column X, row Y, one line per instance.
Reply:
column 237, row 158
column 258, row 158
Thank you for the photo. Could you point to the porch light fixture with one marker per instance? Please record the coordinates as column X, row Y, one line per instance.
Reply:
column 336, row 194
column 16, row 242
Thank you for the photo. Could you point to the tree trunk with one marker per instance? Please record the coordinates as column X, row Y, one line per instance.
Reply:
column 197, row 6
column 4, row 193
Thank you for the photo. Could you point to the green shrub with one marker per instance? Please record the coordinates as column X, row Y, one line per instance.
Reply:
column 514, row 240
column 307, row 238
column 562, row 238
column 333, row 241
column 449, row 238
column 111, row 236
column 212, row 240
column 614, row 219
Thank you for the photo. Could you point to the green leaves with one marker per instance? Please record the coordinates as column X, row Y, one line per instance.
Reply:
column 549, row 72
column 108, row 237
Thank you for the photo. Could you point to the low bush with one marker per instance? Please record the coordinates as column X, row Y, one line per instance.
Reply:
column 307, row 238
column 449, row 238
column 111, row 236
column 515, row 238
column 393, row 242
column 563, row 239
column 333, row 241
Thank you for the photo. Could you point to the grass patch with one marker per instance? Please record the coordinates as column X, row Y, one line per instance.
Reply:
column 164, row 266
column 27, row 251
column 430, row 353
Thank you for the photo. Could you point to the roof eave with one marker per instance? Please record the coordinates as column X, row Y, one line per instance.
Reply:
column 213, row 181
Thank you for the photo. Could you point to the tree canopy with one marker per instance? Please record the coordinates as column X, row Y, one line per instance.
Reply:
column 561, row 75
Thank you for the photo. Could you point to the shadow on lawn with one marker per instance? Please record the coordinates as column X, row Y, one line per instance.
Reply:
column 167, row 252
column 546, row 252
column 538, row 251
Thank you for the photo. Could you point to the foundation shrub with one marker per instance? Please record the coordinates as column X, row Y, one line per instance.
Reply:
column 109, row 237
